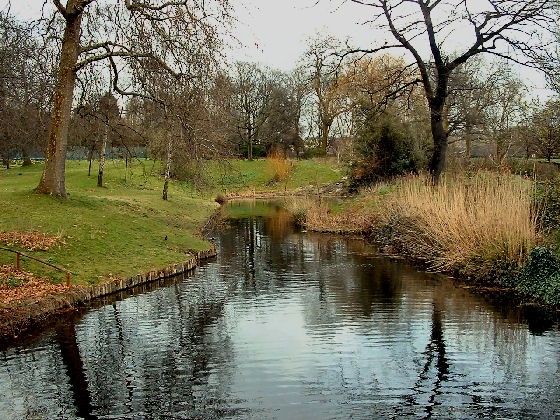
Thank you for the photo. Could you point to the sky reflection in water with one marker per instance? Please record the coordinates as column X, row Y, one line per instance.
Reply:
column 290, row 325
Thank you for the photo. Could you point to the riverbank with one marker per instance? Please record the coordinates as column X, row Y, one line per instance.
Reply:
column 296, row 315
column 109, row 238
column 482, row 227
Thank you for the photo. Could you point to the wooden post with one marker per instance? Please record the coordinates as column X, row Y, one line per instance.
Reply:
column 67, row 279
column 18, row 261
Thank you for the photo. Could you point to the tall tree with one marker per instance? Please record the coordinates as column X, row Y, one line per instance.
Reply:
column 504, row 112
column 131, row 35
column 252, row 92
column 24, row 87
column 282, row 127
column 323, row 66
column 487, row 27
column 108, row 113
column 546, row 133
column 474, row 88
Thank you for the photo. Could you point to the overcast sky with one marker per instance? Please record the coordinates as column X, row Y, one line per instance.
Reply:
column 274, row 32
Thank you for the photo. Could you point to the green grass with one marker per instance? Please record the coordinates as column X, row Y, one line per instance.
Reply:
column 119, row 230
column 244, row 175
column 116, row 230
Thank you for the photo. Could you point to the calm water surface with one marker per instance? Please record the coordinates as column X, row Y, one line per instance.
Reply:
column 290, row 325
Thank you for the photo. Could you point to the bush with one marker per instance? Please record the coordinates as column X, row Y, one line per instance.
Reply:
column 547, row 205
column 384, row 149
column 193, row 171
column 280, row 168
column 299, row 207
column 259, row 151
column 530, row 168
column 221, row 199
column 540, row 277
column 312, row 153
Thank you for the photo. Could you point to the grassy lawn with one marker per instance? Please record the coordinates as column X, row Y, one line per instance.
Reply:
column 243, row 175
column 120, row 229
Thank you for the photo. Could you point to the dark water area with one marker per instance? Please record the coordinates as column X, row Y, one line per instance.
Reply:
column 290, row 325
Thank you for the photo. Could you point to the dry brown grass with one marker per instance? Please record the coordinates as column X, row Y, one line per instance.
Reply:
column 473, row 223
column 279, row 167
column 317, row 215
column 464, row 221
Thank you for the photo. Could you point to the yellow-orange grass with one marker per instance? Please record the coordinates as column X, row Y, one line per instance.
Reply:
column 279, row 167
column 466, row 220
column 316, row 215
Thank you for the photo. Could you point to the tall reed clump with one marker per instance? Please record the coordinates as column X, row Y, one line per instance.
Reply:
column 279, row 167
column 471, row 223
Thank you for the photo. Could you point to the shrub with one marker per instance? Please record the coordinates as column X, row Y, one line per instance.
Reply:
column 298, row 207
column 547, row 203
column 384, row 149
column 259, row 151
column 530, row 168
column 312, row 152
column 193, row 171
column 540, row 277
column 221, row 199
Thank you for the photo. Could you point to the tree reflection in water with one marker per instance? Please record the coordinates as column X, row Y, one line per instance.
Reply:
column 290, row 325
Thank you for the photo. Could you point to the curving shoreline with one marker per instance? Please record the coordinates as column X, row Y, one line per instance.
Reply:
column 16, row 321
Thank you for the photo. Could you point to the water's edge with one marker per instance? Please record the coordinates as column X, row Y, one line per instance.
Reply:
column 18, row 322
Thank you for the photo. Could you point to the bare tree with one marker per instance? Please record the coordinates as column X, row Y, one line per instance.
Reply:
column 490, row 27
column 474, row 88
column 131, row 35
column 281, row 130
column 108, row 110
column 546, row 133
column 548, row 58
column 24, row 85
column 504, row 112
column 323, row 66
column 252, row 93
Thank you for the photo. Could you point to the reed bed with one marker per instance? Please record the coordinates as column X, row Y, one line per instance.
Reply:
column 464, row 221
column 279, row 167
column 316, row 214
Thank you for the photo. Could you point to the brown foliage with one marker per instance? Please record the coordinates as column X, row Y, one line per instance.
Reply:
column 22, row 286
column 317, row 215
column 33, row 240
column 478, row 220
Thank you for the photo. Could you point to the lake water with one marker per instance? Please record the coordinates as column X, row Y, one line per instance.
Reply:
column 290, row 325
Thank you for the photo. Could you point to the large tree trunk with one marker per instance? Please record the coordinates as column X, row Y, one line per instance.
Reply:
column 53, row 180
column 250, row 145
column 468, row 141
column 438, row 123
column 26, row 159
column 439, row 134
column 325, row 128
column 102, row 157
column 168, row 166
